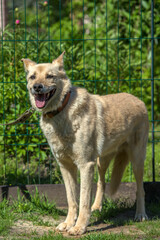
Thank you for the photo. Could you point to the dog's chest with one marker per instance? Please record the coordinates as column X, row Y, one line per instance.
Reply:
column 59, row 137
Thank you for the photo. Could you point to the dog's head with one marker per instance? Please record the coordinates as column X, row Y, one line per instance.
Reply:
column 47, row 83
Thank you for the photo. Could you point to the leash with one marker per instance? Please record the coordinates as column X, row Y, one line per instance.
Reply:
column 28, row 113
column 22, row 118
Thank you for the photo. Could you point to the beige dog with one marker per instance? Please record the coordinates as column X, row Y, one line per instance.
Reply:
column 80, row 127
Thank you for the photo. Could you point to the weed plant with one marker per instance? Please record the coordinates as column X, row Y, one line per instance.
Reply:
column 27, row 209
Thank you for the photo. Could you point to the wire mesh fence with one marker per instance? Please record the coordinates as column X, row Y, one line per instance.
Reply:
column 111, row 46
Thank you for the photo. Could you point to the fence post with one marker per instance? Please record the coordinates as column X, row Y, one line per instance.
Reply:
column 2, row 14
column 152, row 87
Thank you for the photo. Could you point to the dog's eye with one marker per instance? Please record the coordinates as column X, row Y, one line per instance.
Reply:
column 32, row 77
column 49, row 76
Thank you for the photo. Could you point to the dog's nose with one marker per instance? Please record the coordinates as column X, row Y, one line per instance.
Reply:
column 38, row 87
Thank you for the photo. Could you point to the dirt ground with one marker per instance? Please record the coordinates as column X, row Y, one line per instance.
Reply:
column 22, row 227
column 28, row 229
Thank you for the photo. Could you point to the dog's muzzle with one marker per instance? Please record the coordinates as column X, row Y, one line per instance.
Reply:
column 42, row 94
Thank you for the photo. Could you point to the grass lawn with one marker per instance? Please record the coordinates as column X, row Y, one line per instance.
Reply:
column 36, row 219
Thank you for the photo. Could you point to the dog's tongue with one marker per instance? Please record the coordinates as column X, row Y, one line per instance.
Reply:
column 40, row 100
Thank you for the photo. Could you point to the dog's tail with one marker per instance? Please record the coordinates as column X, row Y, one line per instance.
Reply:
column 120, row 163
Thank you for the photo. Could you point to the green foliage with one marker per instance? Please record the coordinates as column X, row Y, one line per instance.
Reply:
column 36, row 203
column 29, row 209
column 108, row 50
column 6, row 216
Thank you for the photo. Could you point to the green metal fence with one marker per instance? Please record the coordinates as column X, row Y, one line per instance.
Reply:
column 111, row 46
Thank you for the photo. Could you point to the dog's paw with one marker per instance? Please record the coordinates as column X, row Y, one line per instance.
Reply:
column 64, row 226
column 77, row 230
column 140, row 217
column 96, row 207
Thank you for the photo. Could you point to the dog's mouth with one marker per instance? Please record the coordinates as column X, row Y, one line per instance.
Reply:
column 42, row 99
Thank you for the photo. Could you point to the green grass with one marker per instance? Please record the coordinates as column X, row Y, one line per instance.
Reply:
column 115, row 214
column 32, row 210
column 6, row 217
column 110, row 210
column 95, row 236
column 37, row 203
column 150, row 228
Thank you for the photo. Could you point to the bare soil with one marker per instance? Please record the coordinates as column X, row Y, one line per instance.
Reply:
column 28, row 228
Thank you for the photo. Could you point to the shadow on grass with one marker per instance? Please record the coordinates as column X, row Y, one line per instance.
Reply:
column 120, row 213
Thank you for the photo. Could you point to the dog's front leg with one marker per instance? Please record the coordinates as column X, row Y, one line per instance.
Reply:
column 86, row 174
column 69, row 173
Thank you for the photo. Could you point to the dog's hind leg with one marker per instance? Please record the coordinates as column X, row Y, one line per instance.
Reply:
column 140, row 207
column 138, row 166
column 69, row 173
column 102, row 164
column 137, row 157
column 120, row 162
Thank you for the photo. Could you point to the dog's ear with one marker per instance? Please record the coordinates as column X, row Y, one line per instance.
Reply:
column 59, row 61
column 27, row 63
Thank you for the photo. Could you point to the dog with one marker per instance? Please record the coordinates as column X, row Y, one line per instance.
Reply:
column 82, row 129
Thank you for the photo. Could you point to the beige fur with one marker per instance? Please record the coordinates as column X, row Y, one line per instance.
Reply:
column 90, row 127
